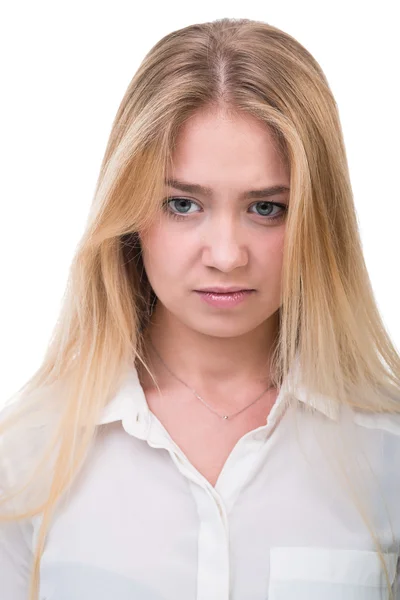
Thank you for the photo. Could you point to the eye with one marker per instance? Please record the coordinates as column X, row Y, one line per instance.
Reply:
column 182, row 205
column 267, row 208
column 178, row 208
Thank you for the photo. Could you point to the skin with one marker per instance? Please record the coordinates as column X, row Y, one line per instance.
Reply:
column 220, row 240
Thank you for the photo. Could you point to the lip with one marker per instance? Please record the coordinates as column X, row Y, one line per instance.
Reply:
column 225, row 290
column 224, row 301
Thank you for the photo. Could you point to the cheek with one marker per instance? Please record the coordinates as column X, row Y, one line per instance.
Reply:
column 270, row 251
column 164, row 253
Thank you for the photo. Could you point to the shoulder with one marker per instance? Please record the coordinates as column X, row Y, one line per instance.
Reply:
column 23, row 443
column 378, row 439
column 388, row 422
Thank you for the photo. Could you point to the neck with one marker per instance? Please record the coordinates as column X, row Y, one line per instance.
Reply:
column 208, row 363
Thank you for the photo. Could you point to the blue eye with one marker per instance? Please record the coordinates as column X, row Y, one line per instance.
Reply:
column 183, row 204
column 269, row 206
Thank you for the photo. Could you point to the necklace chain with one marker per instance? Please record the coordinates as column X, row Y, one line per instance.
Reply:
column 201, row 399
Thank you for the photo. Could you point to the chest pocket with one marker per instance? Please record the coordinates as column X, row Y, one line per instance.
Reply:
column 314, row 573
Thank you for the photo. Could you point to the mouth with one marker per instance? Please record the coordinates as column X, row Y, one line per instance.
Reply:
column 224, row 290
column 224, row 299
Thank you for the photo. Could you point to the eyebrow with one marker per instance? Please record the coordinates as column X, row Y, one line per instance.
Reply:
column 195, row 188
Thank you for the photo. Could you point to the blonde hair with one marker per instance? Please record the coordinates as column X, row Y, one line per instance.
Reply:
column 328, row 314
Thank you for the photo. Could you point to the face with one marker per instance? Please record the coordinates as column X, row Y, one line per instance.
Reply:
column 228, row 234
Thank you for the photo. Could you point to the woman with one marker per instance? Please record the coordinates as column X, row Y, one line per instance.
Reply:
column 217, row 415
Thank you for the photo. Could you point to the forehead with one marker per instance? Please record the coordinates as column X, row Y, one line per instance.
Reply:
column 214, row 147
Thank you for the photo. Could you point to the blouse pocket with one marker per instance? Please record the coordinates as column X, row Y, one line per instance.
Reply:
column 314, row 573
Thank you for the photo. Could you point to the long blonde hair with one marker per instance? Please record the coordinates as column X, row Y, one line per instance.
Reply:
column 328, row 314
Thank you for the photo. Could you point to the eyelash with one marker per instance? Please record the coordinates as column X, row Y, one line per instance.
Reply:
column 181, row 217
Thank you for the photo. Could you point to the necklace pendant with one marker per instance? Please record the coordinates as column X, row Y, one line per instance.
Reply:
column 225, row 417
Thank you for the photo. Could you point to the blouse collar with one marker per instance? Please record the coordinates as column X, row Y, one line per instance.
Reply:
column 129, row 404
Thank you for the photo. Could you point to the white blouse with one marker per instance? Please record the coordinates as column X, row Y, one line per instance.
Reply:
column 141, row 523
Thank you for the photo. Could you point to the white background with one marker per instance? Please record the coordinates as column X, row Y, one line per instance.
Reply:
column 64, row 69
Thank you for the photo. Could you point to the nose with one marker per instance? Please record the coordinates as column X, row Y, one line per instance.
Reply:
column 224, row 247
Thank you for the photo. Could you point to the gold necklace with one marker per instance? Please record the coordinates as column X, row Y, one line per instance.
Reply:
column 200, row 398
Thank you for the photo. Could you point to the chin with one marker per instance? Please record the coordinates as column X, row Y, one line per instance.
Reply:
column 222, row 327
